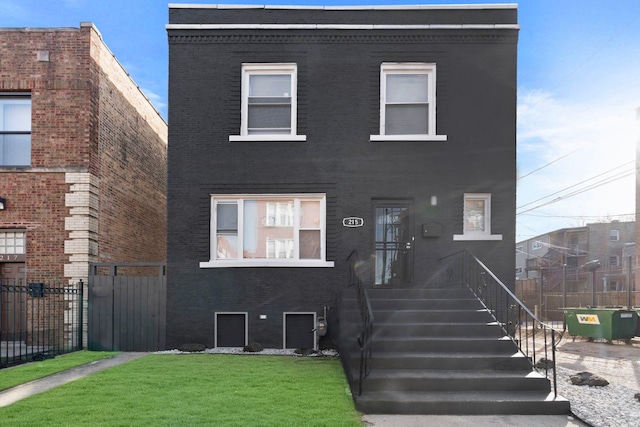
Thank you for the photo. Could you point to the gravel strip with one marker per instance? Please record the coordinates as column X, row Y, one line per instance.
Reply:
column 266, row 352
column 611, row 406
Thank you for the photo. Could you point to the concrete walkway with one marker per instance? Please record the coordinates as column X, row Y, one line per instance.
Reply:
column 12, row 395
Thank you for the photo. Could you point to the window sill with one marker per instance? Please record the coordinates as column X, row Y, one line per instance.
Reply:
column 267, row 138
column 461, row 237
column 265, row 263
column 408, row 138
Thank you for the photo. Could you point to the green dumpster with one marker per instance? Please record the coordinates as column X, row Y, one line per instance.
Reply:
column 607, row 323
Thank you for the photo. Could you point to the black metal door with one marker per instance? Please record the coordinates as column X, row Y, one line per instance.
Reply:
column 393, row 244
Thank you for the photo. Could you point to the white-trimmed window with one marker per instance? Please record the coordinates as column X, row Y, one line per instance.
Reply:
column 15, row 129
column 614, row 235
column 477, row 218
column 614, row 261
column 269, row 103
column 536, row 245
column 408, row 102
column 270, row 230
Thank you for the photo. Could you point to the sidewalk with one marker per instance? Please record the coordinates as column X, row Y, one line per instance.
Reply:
column 12, row 395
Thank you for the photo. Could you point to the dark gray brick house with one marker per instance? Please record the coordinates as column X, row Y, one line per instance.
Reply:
column 305, row 141
column 299, row 135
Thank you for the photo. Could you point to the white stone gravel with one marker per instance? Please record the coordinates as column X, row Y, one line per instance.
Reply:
column 237, row 350
column 609, row 406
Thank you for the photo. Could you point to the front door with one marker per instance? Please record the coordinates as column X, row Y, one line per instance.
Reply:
column 13, row 307
column 393, row 243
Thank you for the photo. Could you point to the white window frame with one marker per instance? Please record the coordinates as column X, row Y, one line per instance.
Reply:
column 536, row 245
column 20, row 98
column 614, row 235
column 214, row 262
column 615, row 259
column 388, row 68
column 275, row 68
column 474, row 234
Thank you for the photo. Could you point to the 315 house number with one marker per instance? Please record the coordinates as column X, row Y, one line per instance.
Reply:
column 352, row 222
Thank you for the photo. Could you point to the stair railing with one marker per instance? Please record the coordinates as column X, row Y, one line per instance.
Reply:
column 365, row 330
column 534, row 338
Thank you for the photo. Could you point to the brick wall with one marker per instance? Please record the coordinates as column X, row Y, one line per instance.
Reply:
column 131, row 168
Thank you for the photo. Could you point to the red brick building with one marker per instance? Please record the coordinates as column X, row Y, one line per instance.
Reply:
column 82, row 158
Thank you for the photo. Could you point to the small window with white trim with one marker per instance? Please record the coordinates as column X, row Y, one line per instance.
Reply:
column 614, row 235
column 408, row 102
column 477, row 218
column 268, row 230
column 269, row 103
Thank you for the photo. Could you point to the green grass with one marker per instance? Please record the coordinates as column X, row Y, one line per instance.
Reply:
column 21, row 374
column 197, row 390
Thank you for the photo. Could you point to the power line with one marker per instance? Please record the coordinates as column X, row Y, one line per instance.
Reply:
column 575, row 185
column 591, row 187
column 548, row 164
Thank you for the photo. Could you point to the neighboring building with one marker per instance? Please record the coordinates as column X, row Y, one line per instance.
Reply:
column 82, row 158
column 609, row 243
column 637, row 253
column 302, row 134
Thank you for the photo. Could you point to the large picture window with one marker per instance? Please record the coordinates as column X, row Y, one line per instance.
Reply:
column 15, row 129
column 408, row 102
column 269, row 102
column 268, row 230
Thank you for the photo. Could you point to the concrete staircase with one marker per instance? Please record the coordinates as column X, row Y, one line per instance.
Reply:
column 438, row 351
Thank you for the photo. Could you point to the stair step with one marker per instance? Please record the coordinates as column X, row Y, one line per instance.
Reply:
column 462, row 403
column 444, row 344
column 428, row 316
column 465, row 380
column 473, row 329
column 426, row 304
column 419, row 293
column 443, row 360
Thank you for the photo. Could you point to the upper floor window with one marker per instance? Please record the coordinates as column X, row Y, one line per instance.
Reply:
column 15, row 129
column 614, row 261
column 614, row 235
column 268, row 231
column 269, row 103
column 477, row 218
column 408, row 102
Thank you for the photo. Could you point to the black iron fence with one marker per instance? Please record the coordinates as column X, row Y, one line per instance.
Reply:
column 39, row 320
column 535, row 339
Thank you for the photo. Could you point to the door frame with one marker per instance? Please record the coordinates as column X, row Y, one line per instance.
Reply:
column 402, row 203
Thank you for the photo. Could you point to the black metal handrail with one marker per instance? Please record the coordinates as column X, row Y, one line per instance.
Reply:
column 366, row 317
column 517, row 321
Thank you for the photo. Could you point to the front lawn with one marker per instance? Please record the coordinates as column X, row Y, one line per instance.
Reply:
column 198, row 390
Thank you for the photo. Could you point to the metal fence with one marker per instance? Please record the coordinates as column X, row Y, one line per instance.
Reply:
column 39, row 320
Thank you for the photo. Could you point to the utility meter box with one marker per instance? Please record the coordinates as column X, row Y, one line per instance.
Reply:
column 431, row 230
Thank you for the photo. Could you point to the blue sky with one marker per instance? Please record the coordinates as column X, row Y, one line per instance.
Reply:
column 578, row 88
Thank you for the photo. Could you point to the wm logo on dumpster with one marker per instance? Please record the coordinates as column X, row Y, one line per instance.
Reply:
column 588, row 319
